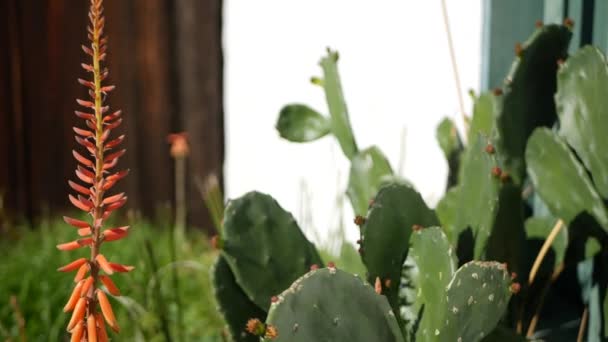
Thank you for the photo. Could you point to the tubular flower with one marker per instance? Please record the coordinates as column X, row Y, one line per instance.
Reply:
column 88, row 303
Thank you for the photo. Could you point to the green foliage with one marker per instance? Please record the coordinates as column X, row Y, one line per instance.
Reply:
column 368, row 170
column 264, row 246
column 436, row 262
column 478, row 193
column 300, row 123
column 386, row 232
column 334, row 96
column 582, row 106
column 233, row 303
column 485, row 109
column 332, row 305
column 28, row 271
column 506, row 189
column 451, row 145
column 457, row 305
column 560, row 179
column 528, row 94
column 477, row 298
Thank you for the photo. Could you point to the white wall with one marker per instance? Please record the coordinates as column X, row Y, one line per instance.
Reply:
column 396, row 75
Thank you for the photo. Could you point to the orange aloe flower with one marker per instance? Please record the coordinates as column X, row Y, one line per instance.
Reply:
column 179, row 144
column 96, row 161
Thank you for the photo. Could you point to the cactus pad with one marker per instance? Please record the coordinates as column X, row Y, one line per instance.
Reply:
column 340, row 121
column 582, row 106
column 477, row 298
column 332, row 305
column 528, row 94
column 386, row 234
column 434, row 257
column 264, row 246
column 233, row 303
column 300, row 123
column 451, row 145
column 369, row 169
column 560, row 179
column 478, row 193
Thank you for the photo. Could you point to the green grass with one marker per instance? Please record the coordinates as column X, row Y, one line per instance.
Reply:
column 28, row 266
column 145, row 312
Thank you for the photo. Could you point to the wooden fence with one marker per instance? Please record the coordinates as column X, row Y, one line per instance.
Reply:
column 165, row 57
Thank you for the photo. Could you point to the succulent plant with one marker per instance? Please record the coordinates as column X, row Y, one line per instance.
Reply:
column 94, row 170
column 533, row 157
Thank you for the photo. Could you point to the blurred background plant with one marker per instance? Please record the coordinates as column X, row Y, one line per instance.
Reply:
column 147, row 310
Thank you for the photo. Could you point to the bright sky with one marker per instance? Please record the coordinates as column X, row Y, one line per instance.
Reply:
column 396, row 76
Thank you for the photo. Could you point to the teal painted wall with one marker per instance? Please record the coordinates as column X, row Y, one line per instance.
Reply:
column 506, row 22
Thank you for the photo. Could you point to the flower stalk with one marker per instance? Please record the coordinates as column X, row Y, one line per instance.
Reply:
column 94, row 170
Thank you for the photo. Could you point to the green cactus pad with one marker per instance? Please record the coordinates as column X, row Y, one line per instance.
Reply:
column 528, row 95
column 233, row 303
column 369, row 169
column 447, row 211
column 477, row 298
column 486, row 108
column 560, row 180
column 386, row 234
column 582, row 106
column 507, row 241
column 264, row 246
column 300, row 123
column 340, row 122
column 451, row 145
column 478, row 194
column 332, row 305
column 433, row 255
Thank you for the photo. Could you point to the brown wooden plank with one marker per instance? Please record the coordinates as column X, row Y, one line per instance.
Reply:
column 200, row 65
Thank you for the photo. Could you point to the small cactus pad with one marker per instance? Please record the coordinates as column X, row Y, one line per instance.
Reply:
column 507, row 241
column 264, row 246
column 332, row 305
column 478, row 193
column 233, row 303
column 451, row 145
column 486, row 108
column 300, row 123
column 386, row 234
column 560, row 179
column 447, row 212
column 436, row 264
column 369, row 169
column 582, row 107
column 477, row 298
column 528, row 94
column 340, row 123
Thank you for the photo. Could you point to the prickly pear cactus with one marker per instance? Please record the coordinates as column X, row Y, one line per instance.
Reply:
column 479, row 187
column 467, row 303
column 435, row 260
column 264, row 246
column 386, row 233
column 369, row 169
column 561, row 180
column 473, row 203
column 300, row 123
column 332, row 305
column 451, row 145
column 528, row 94
column 334, row 96
column 233, row 303
column 582, row 107
column 477, row 298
